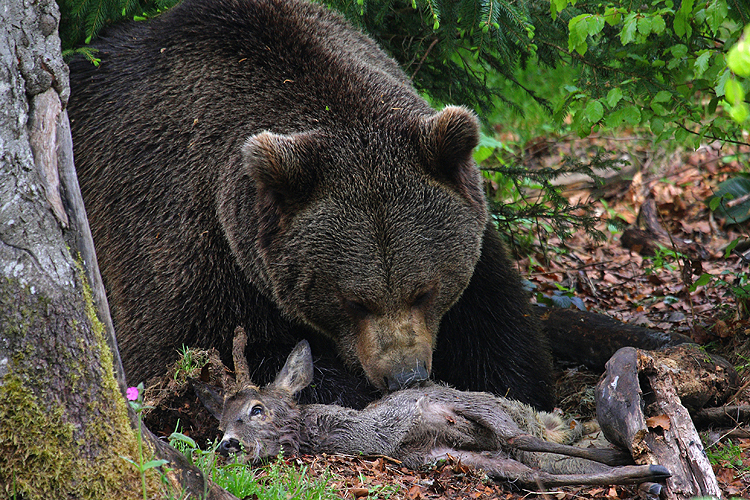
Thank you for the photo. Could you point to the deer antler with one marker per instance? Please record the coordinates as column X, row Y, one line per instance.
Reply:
column 241, row 370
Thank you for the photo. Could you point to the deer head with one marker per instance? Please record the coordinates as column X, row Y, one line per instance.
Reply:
column 261, row 422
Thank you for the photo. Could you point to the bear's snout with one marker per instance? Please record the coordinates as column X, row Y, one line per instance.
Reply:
column 395, row 350
column 407, row 377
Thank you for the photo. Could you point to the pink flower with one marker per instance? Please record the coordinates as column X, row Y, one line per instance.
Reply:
column 132, row 393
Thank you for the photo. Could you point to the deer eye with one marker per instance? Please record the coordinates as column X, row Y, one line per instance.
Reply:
column 256, row 411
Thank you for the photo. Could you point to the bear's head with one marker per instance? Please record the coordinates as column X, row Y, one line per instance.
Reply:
column 368, row 235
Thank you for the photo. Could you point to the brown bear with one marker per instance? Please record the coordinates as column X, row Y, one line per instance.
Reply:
column 262, row 163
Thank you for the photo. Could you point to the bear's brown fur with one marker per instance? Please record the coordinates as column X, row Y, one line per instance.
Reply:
column 261, row 163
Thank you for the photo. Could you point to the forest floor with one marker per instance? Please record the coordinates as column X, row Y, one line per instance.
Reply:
column 651, row 291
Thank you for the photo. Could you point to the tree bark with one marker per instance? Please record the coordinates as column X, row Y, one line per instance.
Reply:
column 638, row 407
column 64, row 423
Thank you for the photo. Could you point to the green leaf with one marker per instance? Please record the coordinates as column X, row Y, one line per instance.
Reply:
column 594, row 111
column 738, row 58
column 721, row 83
column 733, row 189
column 730, row 247
column 631, row 115
column 686, row 7
column 716, row 13
column 153, row 463
column 701, row 63
column 734, row 92
column 658, row 25
column 704, row 280
column 662, row 96
column 739, row 113
column 594, row 24
column 612, row 16
column 679, row 25
column 658, row 108
column 557, row 6
column 681, row 136
column 714, row 202
column 629, row 29
column 712, row 104
column 178, row 436
column 481, row 153
column 644, row 26
column 614, row 96
column 657, row 125
column 679, row 50
column 682, row 18
column 578, row 31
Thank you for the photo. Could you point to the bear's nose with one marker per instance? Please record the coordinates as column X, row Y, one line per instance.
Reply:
column 407, row 377
column 228, row 446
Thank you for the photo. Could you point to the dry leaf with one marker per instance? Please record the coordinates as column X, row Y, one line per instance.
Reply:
column 414, row 493
column 659, row 421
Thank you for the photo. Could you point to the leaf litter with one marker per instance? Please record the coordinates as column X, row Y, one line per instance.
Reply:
column 665, row 292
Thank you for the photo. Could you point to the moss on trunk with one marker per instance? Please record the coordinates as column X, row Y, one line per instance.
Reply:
column 64, row 426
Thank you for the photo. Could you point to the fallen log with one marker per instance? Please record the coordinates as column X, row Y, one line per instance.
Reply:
column 638, row 407
column 648, row 234
column 722, row 416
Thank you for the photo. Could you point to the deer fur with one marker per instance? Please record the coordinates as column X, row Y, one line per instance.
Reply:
column 509, row 440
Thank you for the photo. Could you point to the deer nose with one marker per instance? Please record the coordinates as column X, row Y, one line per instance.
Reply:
column 407, row 377
column 228, row 446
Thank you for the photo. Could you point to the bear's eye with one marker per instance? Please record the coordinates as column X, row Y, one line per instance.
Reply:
column 356, row 308
column 256, row 411
column 422, row 298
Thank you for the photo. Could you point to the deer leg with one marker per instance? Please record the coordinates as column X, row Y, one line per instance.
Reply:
column 602, row 455
column 512, row 471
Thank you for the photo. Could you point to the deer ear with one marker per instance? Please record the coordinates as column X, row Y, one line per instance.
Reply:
column 448, row 140
column 297, row 372
column 211, row 397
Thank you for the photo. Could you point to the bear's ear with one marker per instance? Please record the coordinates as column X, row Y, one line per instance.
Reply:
column 448, row 141
column 283, row 167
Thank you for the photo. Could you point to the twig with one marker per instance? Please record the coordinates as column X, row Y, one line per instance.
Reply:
column 421, row 61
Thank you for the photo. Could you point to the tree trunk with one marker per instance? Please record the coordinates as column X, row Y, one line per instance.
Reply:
column 64, row 423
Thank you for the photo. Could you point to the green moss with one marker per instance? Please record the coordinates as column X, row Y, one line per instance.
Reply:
column 42, row 453
column 34, row 451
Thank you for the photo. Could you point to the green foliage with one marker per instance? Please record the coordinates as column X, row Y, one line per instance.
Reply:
column 663, row 258
column 738, row 62
column 732, row 199
column 660, row 64
column 82, row 20
column 454, row 49
column 727, row 455
column 190, row 362
column 277, row 480
column 563, row 298
column 522, row 194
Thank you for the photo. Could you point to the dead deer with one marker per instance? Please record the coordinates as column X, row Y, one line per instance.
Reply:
column 509, row 440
